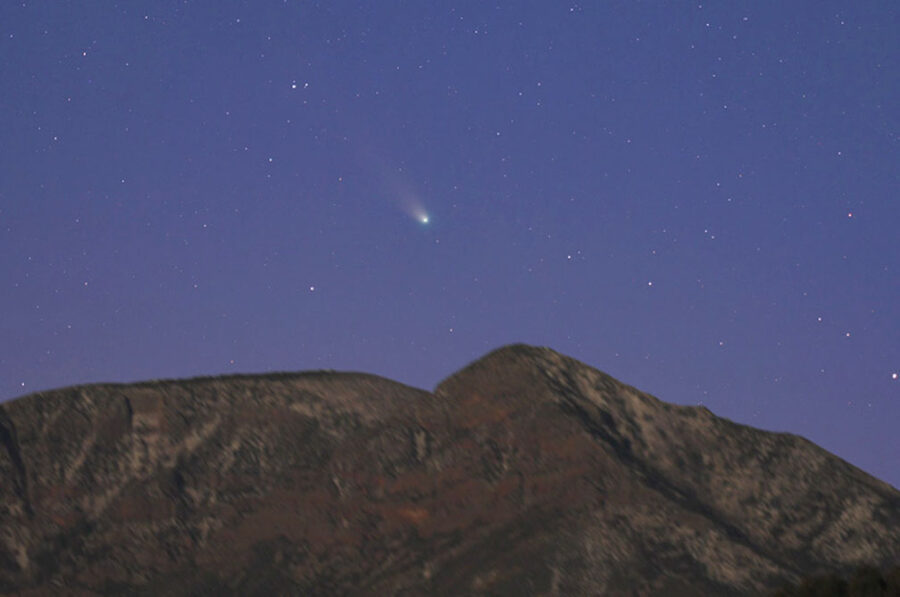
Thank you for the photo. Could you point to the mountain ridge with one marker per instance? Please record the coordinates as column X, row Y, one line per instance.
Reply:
column 524, row 472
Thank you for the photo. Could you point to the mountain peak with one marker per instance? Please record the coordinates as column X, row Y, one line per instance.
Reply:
column 525, row 472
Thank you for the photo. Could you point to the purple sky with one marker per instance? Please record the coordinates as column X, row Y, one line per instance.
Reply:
column 701, row 200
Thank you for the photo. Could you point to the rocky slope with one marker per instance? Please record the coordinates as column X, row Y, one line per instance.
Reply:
column 525, row 473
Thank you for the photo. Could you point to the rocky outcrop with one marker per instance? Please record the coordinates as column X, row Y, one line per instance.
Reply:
column 525, row 473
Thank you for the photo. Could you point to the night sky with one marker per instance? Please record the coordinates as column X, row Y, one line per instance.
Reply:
column 701, row 200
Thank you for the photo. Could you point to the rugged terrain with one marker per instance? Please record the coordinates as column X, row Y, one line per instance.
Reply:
column 527, row 472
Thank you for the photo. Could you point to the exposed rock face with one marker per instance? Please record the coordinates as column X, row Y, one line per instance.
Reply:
column 525, row 473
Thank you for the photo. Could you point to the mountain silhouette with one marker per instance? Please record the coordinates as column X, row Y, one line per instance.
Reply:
column 525, row 473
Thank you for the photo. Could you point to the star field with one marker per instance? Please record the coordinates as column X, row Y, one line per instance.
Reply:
column 701, row 200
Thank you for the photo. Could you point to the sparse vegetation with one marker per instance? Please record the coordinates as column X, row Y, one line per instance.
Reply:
column 866, row 581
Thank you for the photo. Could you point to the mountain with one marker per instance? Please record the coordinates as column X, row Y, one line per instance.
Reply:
column 525, row 473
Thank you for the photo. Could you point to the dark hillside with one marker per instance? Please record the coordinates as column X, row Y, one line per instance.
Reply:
column 526, row 472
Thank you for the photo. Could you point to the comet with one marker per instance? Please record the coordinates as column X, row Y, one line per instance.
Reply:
column 417, row 211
